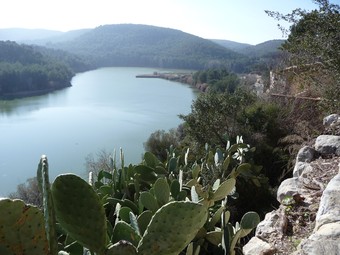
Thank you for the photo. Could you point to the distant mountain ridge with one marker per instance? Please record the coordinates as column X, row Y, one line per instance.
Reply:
column 24, row 34
column 151, row 46
column 258, row 50
column 232, row 45
column 144, row 45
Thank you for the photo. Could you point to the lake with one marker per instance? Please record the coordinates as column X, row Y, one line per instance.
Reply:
column 105, row 109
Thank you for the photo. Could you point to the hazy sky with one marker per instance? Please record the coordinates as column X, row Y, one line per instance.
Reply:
column 237, row 20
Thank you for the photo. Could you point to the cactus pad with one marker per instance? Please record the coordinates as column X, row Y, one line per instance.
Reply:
column 123, row 231
column 22, row 229
column 80, row 212
column 121, row 248
column 172, row 228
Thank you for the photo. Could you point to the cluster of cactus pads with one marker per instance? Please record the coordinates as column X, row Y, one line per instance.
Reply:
column 166, row 218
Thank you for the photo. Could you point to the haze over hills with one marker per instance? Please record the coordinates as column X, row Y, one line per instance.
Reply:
column 235, row 46
column 257, row 50
column 23, row 34
column 144, row 45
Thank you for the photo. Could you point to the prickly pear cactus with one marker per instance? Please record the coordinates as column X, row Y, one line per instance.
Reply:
column 45, row 188
column 172, row 228
column 22, row 229
column 121, row 248
column 80, row 212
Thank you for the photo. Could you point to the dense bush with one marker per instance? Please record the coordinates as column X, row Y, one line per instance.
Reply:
column 160, row 141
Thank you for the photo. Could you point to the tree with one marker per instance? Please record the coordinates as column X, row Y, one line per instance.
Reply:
column 160, row 141
column 29, row 192
column 214, row 117
column 313, row 46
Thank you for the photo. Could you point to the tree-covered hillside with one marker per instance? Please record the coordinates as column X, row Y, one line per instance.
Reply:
column 149, row 46
column 258, row 58
column 142, row 45
column 258, row 50
column 26, row 71
column 231, row 45
column 263, row 49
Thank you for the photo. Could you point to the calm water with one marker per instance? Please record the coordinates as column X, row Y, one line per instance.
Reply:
column 106, row 109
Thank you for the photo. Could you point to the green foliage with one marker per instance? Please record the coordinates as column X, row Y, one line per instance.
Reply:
column 121, row 248
column 219, row 80
column 217, row 118
column 48, row 206
column 23, row 70
column 21, row 229
column 150, row 208
column 172, row 228
column 87, row 224
column 313, row 47
column 160, row 141
column 214, row 118
column 148, row 46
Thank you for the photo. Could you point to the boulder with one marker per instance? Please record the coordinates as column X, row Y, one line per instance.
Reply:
column 258, row 247
column 328, row 144
column 300, row 168
column 330, row 119
column 329, row 208
column 326, row 241
column 274, row 224
column 288, row 187
column 305, row 154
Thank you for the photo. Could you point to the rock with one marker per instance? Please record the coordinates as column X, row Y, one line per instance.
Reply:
column 300, row 168
column 329, row 209
column 330, row 119
column 328, row 144
column 288, row 187
column 274, row 223
column 258, row 247
column 326, row 241
column 305, row 154
column 271, row 233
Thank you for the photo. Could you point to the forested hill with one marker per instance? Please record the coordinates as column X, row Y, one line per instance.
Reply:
column 231, row 45
column 149, row 46
column 26, row 71
column 258, row 50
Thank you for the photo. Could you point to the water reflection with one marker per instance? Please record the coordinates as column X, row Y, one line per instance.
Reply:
column 104, row 109
column 22, row 106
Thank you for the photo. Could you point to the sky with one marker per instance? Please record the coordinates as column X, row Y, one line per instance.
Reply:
column 238, row 20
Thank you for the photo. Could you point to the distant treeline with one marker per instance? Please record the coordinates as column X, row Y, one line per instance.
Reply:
column 149, row 46
column 32, row 69
column 26, row 71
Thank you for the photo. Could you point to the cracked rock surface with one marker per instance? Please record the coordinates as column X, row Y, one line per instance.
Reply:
column 308, row 219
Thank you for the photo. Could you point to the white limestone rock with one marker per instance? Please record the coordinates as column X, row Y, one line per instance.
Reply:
column 328, row 144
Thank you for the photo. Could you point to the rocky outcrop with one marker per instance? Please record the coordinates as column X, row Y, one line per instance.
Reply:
column 308, row 219
column 326, row 236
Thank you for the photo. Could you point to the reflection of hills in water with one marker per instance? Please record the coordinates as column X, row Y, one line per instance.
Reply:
column 29, row 104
